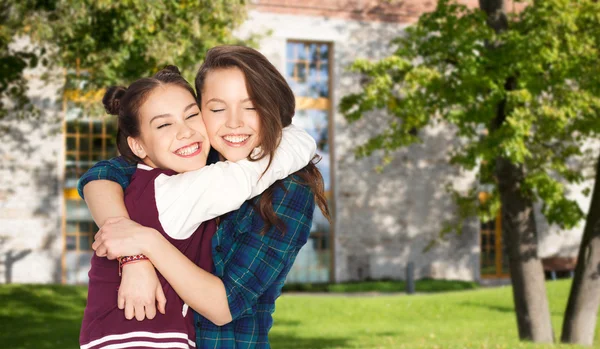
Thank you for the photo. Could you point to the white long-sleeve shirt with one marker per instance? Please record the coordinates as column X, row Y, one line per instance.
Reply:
column 186, row 200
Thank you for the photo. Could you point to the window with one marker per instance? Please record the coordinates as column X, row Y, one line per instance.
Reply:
column 494, row 257
column 89, row 137
column 308, row 71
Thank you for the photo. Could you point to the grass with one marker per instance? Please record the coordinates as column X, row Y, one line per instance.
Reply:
column 34, row 316
column 386, row 286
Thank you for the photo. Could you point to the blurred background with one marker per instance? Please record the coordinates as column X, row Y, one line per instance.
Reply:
column 414, row 104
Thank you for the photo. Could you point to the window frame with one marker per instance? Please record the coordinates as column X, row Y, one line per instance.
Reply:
column 324, row 104
column 85, row 130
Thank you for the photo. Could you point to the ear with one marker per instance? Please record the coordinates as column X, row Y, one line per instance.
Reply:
column 136, row 147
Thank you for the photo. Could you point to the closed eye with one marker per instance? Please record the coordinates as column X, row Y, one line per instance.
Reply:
column 217, row 110
column 191, row 116
column 251, row 108
column 163, row 125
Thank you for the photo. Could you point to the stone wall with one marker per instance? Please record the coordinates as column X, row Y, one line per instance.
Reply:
column 31, row 154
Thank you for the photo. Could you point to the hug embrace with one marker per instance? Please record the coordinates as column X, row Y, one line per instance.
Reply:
column 204, row 213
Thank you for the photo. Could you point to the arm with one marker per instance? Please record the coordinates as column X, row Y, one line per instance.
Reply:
column 104, row 199
column 201, row 290
column 102, row 187
column 256, row 262
column 116, row 170
column 186, row 200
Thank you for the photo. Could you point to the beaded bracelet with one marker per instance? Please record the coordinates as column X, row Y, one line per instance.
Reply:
column 130, row 259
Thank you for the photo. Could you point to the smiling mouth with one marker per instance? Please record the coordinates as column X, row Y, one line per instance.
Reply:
column 236, row 140
column 189, row 150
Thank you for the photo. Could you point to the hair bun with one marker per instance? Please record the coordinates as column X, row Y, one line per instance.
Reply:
column 168, row 70
column 112, row 99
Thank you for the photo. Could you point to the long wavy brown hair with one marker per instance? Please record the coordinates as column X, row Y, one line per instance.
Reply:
column 275, row 103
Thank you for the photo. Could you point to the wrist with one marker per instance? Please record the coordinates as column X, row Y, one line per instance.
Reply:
column 138, row 262
column 125, row 260
column 150, row 241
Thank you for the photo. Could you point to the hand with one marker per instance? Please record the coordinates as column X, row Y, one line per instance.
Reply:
column 120, row 237
column 140, row 291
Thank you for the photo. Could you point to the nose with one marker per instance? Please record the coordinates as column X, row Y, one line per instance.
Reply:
column 234, row 119
column 185, row 131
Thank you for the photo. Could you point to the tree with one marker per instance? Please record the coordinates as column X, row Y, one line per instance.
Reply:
column 13, row 61
column 521, row 93
column 584, row 299
column 518, row 219
column 114, row 42
column 582, row 308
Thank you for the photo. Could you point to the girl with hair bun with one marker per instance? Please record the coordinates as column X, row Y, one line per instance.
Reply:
column 161, row 131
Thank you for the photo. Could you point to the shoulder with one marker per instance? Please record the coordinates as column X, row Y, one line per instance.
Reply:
column 290, row 196
column 291, row 191
column 293, row 187
column 116, row 170
column 293, row 202
column 142, row 183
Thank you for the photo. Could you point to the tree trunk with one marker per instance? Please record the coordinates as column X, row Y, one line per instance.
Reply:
column 582, row 310
column 496, row 14
column 526, row 272
column 518, row 221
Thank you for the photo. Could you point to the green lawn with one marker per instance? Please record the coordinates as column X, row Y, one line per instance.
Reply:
column 35, row 316
column 385, row 286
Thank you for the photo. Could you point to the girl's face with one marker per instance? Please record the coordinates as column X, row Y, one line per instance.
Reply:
column 172, row 132
column 231, row 121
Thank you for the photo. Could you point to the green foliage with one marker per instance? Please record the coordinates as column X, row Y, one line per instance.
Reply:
column 533, row 99
column 115, row 42
column 13, row 62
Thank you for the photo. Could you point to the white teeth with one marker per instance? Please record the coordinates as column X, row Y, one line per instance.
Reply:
column 188, row 150
column 236, row 139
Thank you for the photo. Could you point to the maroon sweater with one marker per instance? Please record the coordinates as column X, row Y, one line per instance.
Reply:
column 104, row 324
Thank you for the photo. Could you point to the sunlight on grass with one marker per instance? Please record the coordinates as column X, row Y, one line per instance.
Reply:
column 36, row 316
column 468, row 319
column 41, row 316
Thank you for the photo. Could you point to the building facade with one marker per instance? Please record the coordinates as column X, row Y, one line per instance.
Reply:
column 381, row 221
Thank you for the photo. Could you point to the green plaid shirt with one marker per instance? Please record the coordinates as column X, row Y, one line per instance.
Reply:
column 253, row 267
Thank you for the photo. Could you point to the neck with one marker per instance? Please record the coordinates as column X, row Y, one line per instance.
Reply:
column 146, row 161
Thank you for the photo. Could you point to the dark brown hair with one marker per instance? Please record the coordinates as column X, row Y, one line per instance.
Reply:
column 275, row 103
column 125, row 103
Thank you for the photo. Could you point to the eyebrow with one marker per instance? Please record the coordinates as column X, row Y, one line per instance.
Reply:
column 215, row 100
column 191, row 105
column 222, row 101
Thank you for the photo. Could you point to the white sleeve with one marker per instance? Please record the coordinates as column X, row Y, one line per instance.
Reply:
column 186, row 200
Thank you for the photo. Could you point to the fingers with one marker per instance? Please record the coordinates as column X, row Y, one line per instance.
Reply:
column 111, row 255
column 137, row 309
column 150, row 311
column 121, row 301
column 104, row 228
column 97, row 240
column 98, row 244
column 100, row 247
column 161, row 300
column 129, row 312
column 140, row 313
column 101, row 251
